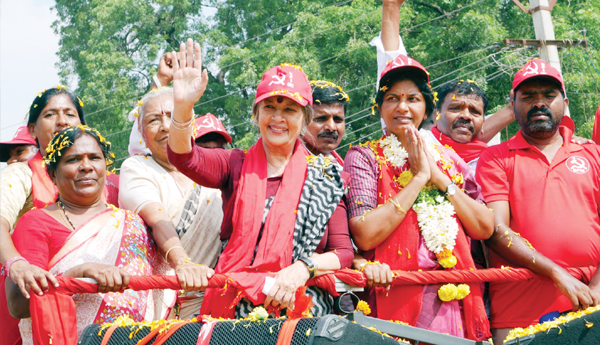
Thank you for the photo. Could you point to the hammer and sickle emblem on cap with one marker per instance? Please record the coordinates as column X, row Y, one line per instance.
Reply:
column 531, row 69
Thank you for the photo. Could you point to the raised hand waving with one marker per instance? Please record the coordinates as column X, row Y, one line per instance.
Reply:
column 189, row 80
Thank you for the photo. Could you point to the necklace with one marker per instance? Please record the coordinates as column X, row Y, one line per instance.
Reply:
column 64, row 215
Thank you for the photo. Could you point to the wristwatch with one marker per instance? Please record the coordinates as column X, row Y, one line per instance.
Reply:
column 451, row 189
column 312, row 268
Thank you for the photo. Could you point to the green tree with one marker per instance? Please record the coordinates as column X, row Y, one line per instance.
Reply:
column 111, row 47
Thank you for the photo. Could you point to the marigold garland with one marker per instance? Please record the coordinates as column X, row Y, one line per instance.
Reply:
column 556, row 323
column 435, row 213
column 363, row 307
column 451, row 292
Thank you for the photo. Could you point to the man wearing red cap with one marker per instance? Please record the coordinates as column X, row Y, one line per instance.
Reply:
column 210, row 133
column 546, row 189
column 19, row 149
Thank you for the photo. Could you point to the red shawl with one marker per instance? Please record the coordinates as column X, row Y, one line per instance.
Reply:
column 596, row 132
column 337, row 157
column 275, row 247
column 44, row 192
column 467, row 152
column 400, row 252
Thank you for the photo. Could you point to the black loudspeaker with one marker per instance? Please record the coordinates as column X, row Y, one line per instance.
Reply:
column 325, row 330
column 582, row 331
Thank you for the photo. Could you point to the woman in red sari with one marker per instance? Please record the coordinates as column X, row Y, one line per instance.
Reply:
column 82, row 236
column 283, row 209
column 408, row 211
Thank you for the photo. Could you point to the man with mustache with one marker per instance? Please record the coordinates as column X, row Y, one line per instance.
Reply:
column 460, row 119
column 325, row 132
column 547, row 188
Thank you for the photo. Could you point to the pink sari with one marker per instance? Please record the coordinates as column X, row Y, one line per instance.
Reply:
column 112, row 237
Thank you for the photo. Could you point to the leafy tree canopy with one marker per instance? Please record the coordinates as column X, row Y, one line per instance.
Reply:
column 110, row 49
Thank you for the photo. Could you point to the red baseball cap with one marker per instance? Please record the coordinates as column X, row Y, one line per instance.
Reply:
column 285, row 80
column 21, row 137
column 401, row 63
column 209, row 124
column 537, row 68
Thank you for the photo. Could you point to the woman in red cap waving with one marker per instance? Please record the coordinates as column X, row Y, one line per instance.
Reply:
column 283, row 209
column 407, row 211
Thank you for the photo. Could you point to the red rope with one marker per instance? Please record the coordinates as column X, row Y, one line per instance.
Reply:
column 476, row 276
column 355, row 278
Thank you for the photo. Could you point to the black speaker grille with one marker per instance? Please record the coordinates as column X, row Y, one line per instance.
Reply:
column 300, row 335
column 246, row 332
column 224, row 333
column 187, row 334
column 120, row 336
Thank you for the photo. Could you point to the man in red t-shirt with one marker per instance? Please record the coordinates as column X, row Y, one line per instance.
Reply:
column 547, row 188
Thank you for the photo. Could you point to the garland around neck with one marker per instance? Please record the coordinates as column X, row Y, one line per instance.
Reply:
column 393, row 151
column 435, row 213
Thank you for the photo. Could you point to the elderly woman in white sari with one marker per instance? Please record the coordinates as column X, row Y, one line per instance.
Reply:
column 185, row 218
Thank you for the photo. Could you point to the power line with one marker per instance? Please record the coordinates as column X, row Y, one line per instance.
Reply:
column 305, row 37
column 468, row 65
column 485, row 66
column 299, row 39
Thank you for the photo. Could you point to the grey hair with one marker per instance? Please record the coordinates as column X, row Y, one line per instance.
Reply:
column 167, row 90
column 307, row 111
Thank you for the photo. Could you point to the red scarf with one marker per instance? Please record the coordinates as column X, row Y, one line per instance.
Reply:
column 43, row 190
column 400, row 252
column 467, row 152
column 338, row 157
column 275, row 247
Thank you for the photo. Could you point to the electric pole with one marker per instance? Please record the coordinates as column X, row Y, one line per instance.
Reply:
column 544, row 31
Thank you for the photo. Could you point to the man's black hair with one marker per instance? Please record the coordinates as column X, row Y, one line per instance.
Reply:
column 461, row 88
column 328, row 93
column 212, row 136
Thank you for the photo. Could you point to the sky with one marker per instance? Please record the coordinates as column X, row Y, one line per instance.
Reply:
column 28, row 49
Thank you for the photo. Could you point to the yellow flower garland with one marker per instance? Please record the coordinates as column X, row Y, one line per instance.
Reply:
column 364, row 307
column 556, row 323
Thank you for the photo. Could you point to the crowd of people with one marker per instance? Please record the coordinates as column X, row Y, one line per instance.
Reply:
column 428, row 195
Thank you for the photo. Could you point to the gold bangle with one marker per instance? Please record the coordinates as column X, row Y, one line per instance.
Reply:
column 397, row 205
column 168, row 251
